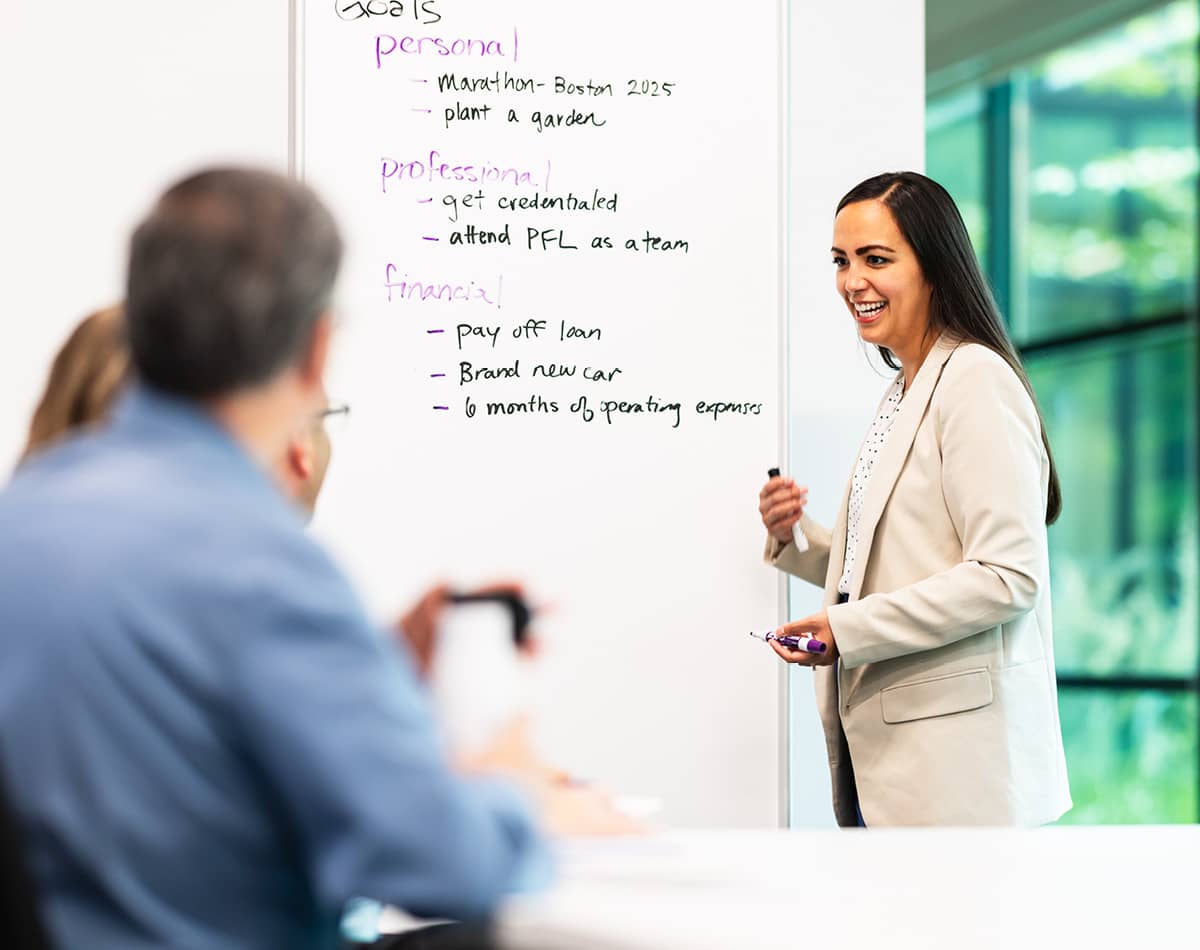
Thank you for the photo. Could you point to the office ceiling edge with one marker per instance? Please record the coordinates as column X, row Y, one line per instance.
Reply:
column 980, row 48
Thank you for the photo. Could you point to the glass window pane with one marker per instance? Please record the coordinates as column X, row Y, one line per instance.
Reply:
column 1121, row 417
column 954, row 157
column 1131, row 756
column 1105, row 166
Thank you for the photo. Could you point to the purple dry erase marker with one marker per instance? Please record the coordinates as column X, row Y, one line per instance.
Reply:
column 803, row 644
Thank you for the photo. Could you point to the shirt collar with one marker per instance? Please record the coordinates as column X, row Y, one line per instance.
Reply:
column 149, row 412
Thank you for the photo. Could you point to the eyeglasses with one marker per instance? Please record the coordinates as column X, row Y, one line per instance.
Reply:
column 334, row 417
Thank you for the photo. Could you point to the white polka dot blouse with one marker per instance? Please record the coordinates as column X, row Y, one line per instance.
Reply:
column 862, row 475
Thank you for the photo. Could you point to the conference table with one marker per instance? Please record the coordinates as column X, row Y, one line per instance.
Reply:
column 1127, row 887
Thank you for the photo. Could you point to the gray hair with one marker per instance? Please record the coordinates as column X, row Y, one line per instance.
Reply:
column 228, row 275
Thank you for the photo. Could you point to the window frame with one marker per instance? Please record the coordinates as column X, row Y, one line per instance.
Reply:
column 1004, row 124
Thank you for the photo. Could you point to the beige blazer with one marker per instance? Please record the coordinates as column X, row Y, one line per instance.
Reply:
column 945, row 697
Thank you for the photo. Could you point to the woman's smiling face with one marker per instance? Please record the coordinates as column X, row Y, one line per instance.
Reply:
column 880, row 279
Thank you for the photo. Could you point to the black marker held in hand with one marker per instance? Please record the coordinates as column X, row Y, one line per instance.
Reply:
column 513, row 602
column 798, row 537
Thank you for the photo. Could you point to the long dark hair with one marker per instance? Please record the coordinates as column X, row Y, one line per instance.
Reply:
column 961, row 303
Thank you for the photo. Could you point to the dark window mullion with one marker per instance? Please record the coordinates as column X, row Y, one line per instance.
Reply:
column 1196, row 370
column 998, row 177
column 1125, row 394
column 1121, row 330
column 1162, row 684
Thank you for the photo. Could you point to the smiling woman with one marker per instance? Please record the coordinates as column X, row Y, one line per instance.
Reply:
column 937, row 688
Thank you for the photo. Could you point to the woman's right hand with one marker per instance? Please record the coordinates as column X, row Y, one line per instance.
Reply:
column 781, row 504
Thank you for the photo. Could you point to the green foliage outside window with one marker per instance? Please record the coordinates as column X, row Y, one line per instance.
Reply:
column 1106, row 154
column 1131, row 756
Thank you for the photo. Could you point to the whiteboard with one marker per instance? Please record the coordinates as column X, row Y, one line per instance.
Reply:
column 562, row 339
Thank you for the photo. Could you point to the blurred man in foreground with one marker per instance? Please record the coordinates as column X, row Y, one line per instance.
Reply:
column 205, row 742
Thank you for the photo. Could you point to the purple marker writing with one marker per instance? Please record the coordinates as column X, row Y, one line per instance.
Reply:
column 436, row 169
column 804, row 644
column 386, row 45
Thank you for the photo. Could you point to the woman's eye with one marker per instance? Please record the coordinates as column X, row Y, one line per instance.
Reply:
column 839, row 262
column 876, row 260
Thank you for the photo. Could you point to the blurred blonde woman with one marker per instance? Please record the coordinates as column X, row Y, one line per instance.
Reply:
column 85, row 378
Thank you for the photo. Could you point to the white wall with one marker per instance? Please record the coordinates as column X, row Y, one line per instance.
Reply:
column 103, row 105
column 857, row 91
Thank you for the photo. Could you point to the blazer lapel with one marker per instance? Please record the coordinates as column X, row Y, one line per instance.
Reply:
column 837, row 546
column 894, row 453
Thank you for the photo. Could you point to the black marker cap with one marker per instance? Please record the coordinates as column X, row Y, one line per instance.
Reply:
column 772, row 473
column 520, row 611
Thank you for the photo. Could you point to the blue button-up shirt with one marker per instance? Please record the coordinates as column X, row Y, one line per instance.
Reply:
column 204, row 740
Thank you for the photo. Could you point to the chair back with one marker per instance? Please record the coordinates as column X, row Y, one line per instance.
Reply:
column 20, row 924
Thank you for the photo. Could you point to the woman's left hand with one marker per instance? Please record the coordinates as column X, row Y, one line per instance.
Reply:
column 817, row 627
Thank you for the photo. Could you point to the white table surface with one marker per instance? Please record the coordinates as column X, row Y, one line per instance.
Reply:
column 1132, row 888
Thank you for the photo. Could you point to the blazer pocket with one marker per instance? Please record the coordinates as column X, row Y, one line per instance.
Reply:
column 943, row 696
